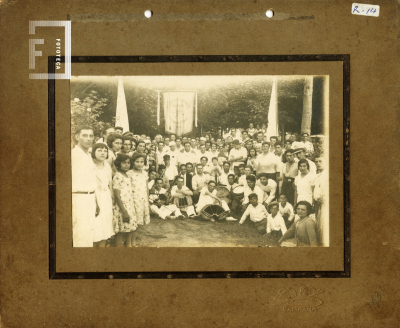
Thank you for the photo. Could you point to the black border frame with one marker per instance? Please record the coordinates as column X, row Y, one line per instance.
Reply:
column 344, row 58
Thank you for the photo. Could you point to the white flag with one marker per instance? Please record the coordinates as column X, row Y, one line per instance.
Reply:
column 272, row 129
column 121, row 117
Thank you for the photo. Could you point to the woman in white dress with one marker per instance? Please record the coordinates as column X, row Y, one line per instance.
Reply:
column 103, row 226
column 304, row 183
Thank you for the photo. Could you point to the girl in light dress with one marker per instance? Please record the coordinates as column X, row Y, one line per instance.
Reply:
column 103, row 227
column 140, row 188
column 124, row 218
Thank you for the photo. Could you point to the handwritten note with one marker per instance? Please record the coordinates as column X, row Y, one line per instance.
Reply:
column 380, row 295
column 365, row 10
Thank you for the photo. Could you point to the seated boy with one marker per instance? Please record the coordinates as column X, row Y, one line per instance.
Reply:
column 276, row 226
column 286, row 210
column 258, row 214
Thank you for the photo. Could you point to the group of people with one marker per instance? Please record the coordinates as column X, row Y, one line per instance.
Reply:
column 120, row 179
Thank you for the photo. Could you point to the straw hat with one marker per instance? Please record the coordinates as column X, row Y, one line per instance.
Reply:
column 298, row 146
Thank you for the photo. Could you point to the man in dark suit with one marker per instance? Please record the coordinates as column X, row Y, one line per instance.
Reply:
column 187, row 177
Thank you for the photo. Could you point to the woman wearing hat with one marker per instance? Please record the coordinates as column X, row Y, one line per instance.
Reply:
column 276, row 226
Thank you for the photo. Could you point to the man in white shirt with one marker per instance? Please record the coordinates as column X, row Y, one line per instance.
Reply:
column 252, row 189
column 187, row 156
column 245, row 136
column 160, row 152
column 180, row 191
column 251, row 130
column 223, row 178
column 202, row 152
column 84, row 183
column 173, row 153
column 321, row 201
column 268, row 186
column 107, row 130
column 170, row 170
column 235, row 135
column 308, row 145
column 258, row 214
column 198, row 182
column 208, row 196
column 179, row 146
column 238, row 155
column 193, row 145
column 247, row 172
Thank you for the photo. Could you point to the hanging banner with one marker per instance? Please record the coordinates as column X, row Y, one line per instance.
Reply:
column 178, row 112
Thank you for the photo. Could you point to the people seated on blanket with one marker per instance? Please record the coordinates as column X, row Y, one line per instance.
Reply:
column 161, row 174
column 151, row 178
column 199, row 181
column 268, row 186
column 257, row 212
column 286, row 210
column 247, row 172
column 276, row 226
column 208, row 196
column 158, row 199
column 250, row 189
column 303, row 231
column 182, row 197
column 170, row 170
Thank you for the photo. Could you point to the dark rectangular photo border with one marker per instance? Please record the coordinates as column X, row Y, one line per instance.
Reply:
column 344, row 58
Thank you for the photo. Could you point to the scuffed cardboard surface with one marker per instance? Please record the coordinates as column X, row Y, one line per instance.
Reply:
column 30, row 299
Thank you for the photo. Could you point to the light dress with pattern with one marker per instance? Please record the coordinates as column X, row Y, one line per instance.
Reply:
column 305, row 187
column 140, row 197
column 124, row 184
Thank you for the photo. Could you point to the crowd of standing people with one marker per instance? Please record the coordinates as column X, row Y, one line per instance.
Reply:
column 120, row 180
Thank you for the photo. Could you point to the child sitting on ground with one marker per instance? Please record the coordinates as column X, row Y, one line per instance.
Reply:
column 286, row 210
column 276, row 227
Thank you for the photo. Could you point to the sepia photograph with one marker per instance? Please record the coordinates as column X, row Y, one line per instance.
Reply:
column 200, row 161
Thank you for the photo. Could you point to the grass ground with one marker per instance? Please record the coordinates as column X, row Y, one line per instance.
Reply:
column 199, row 233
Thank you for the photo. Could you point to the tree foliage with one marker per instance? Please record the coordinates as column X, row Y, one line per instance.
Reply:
column 87, row 112
column 228, row 105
